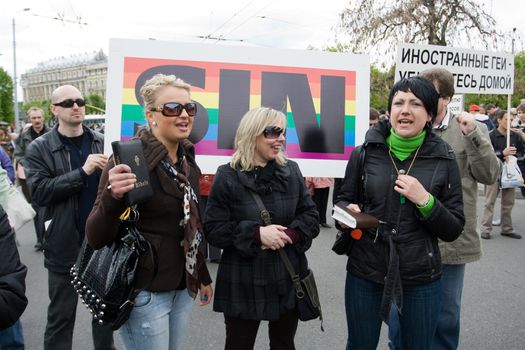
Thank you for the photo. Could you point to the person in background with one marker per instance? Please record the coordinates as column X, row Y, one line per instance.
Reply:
column 491, row 110
column 475, row 111
column 520, row 130
column 514, row 117
column 411, row 183
column 35, row 116
column 170, row 220
column 6, row 164
column 63, row 168
column 521, row 116
column 482, row 109
column 252, row 281
column 319, row 188
column 6, row 142
column 498, row 137
column 206, row 180
column 374, row 118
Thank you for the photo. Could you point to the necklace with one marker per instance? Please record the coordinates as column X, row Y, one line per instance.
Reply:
column 402, row 171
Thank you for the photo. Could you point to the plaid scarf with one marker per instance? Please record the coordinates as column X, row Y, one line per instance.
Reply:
column 193, row 236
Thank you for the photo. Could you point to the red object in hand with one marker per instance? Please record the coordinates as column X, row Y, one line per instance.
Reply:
column 356, row 234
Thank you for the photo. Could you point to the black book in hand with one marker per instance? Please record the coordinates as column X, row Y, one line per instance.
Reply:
column 354, row 219
column 131, row 153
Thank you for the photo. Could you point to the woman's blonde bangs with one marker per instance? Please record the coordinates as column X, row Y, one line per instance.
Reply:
column 252, row 125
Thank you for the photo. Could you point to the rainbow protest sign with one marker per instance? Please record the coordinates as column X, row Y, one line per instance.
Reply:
column 327, row 114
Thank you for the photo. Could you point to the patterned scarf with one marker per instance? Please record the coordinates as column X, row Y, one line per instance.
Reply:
column 193, row 236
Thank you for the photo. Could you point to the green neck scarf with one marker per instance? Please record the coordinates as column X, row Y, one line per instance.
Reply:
column 402, row 147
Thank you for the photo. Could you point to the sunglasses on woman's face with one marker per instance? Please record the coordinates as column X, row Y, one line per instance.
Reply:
column 70, row 103
column 273, row 132
column 174, row 109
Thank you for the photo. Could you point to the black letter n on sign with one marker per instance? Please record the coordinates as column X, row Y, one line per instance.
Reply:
column 234, row 102
column 329, row 136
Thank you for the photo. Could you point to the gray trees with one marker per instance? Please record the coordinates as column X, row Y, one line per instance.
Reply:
column 382, row 24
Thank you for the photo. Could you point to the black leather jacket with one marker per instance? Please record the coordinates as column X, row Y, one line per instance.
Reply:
column 499, row 142
column 405, row 248
column 55, row 186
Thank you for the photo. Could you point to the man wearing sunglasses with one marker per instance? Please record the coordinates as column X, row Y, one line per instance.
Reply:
column 63, row 173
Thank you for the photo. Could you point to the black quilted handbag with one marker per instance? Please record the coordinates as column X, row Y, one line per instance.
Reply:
column 104, row 278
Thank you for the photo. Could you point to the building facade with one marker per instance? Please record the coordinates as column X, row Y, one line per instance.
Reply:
column 87, row 72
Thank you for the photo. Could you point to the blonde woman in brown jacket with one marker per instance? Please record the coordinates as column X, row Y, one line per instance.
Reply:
column 161, row 313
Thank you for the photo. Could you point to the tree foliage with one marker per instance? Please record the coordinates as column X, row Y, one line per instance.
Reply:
column 381, row 81
column 380, row 84
column 95, row 104
column 381, row 24
column 6, row 97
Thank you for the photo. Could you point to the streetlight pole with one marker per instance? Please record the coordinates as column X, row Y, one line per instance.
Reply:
column 15, row 82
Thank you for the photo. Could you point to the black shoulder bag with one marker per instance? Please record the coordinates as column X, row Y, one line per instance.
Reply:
column 104, row 278
column 306, row 295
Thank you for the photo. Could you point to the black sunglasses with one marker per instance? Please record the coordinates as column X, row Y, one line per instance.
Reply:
column 70, row 102
column 273, row 132
column 174, row 109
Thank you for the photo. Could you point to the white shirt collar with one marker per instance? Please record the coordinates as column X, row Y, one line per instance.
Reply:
column 444, row 122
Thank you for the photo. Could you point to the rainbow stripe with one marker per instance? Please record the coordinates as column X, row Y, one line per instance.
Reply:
column 132, row 112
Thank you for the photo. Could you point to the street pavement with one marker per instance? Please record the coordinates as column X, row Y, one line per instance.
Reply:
column 492, row 313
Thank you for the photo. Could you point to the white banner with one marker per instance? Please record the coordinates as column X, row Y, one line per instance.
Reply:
column 325, row 96
column 475, row 72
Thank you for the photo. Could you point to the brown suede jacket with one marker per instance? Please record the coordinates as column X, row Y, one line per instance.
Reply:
column 158, row 222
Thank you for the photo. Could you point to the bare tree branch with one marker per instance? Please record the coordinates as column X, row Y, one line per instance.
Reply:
column 368, row 25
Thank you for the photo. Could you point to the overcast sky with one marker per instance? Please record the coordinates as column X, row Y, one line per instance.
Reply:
column 291, row 24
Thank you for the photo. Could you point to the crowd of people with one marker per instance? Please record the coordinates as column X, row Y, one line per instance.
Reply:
column 417, row 172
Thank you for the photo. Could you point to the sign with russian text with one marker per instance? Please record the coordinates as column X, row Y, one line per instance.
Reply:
column 324, row 96
column 456, row 104
column 475, row 72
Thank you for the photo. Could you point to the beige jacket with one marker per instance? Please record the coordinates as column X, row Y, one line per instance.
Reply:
column 477, row 163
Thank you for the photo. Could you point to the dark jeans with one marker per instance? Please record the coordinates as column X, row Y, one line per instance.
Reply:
column 241, row 334
column 320, row 198
column 447, row 331
column 12, row 338
column 418, row 321
column 61, row 314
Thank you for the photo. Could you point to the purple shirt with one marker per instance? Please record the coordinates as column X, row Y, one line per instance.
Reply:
column 5, row 161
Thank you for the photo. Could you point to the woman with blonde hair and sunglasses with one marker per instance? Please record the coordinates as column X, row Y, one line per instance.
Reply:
column 252, row 281
column 170, row 220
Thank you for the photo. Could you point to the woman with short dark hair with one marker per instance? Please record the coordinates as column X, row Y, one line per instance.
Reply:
column 410, row 181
